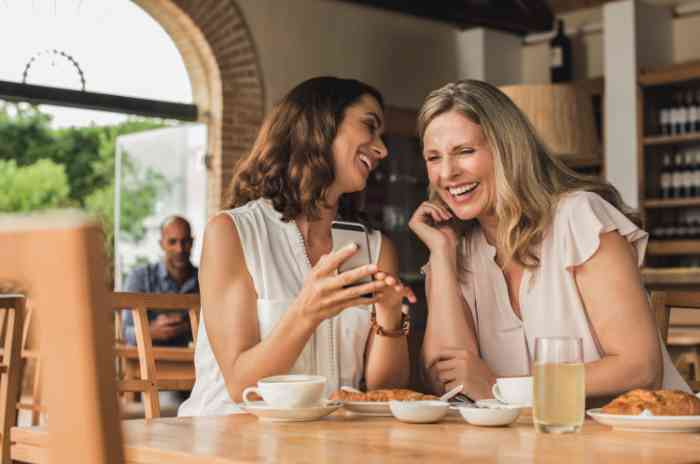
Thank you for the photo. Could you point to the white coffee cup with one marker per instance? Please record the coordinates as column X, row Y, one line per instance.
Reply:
column 289, row 391
column 513, row 390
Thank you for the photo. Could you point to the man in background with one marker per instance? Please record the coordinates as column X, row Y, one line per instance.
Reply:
column 174, row 274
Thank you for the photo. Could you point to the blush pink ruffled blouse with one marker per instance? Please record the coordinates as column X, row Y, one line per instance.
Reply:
column 549, row 299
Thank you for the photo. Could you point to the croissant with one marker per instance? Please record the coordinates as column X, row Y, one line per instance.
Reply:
column 659, row 402
column 382, row 395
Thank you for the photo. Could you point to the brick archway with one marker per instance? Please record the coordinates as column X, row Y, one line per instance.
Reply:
column 222, row 62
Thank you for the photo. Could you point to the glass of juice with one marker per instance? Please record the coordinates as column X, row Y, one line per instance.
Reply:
column 559, row 396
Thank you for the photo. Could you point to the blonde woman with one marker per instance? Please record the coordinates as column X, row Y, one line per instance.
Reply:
column 522, row 247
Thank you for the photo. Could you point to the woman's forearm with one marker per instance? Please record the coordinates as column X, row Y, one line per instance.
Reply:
column 447, row 324
column 613, row 375
column 387, row 361
column 274, row 355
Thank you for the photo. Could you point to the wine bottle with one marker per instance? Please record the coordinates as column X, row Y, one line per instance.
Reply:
column 691, row 110
column 681, row 113
column 677, row 177
column 560, row 55
column 665, row 180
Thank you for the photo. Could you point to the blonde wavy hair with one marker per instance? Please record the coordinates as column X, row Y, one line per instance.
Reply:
column 529, row 180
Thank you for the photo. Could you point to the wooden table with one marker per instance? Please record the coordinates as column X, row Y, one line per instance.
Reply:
column 344, row 438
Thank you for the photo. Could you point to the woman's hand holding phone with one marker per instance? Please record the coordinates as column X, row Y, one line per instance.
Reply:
column 429, row 223
column 326, row 293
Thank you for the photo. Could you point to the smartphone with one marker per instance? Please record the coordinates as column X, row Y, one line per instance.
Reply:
column 343, row 233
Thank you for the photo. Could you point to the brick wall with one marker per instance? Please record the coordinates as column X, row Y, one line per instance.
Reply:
column 224, row 70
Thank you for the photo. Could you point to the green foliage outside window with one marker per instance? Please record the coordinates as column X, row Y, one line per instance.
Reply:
column 43, row 168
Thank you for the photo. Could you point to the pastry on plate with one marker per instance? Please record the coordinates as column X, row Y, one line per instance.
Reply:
column 658, row 402
column 399, row 394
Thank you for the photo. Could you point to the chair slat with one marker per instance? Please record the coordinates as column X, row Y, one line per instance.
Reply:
column 662, row 302
column 11, row 377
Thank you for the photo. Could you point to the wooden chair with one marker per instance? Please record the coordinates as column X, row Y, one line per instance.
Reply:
column 152, row 379
column 60, row 260
column 662, row 302
column 11, row 369
column 31, row 362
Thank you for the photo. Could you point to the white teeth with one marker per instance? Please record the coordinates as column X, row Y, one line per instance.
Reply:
column 463, row 188
column 367, row 162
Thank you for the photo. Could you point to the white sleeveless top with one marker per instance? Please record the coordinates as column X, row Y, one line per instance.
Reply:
column 278, row 263
column 549, row 299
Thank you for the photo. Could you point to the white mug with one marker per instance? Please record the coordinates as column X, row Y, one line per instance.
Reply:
column 289, row 391
column 513, row 390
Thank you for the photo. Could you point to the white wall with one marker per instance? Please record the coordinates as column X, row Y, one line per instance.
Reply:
column 403, row 56
column 489, row 55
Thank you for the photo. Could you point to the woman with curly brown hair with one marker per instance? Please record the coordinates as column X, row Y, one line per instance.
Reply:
column 523, row 247
column 272, row 299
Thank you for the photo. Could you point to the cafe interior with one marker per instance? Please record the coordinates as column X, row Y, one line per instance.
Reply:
column 612, row 89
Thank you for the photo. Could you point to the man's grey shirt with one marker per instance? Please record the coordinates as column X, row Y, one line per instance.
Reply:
column 154, row 278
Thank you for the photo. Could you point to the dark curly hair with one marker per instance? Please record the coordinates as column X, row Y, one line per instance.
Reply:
column 291, row 162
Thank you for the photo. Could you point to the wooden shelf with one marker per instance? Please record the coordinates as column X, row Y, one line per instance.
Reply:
column 671, row 276
column 671, row 139
column 673, row 247
column 672, row 203
column 671, row 74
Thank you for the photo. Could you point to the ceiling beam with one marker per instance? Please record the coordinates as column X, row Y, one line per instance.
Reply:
column 42, row 95
column 567, row 6
column 518, row 16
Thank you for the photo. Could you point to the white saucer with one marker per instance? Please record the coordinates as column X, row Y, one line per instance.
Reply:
column 267, row 413
column 647, row 423
column 369, row 408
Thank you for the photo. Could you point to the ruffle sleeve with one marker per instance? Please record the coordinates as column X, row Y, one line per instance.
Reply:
column 581, row 219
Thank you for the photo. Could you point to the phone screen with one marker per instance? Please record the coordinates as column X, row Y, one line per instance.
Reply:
column 344, row 233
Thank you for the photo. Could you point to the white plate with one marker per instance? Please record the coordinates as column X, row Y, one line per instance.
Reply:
column 647, row 423
column 369, row 408
column 268, row 413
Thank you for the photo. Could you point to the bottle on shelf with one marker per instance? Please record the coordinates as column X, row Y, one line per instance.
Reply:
column 693, row 225
column 665, row 121
column 560, row 66
column 682, row 226
column 665, row 180
column 692, row 110
column 681, row 113
column 672, row 228
column 677, row 176
column 696, row 173
column 672, row 116
column 696, row 121
column 687, row 174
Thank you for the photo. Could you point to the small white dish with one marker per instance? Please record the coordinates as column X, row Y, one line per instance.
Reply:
column 419, row 412
column 271, row 414
column 493, row 403
column 490, row 417
column 368, row 408
column 646, row 423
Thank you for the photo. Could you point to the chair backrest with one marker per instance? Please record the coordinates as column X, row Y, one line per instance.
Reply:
column 31, row 362
column 662, row 302
column 59, row 259
column 12, row 314
column 150, row 383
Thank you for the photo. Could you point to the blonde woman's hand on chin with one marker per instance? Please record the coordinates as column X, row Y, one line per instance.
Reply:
column 326, row 293
column 429, row 223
